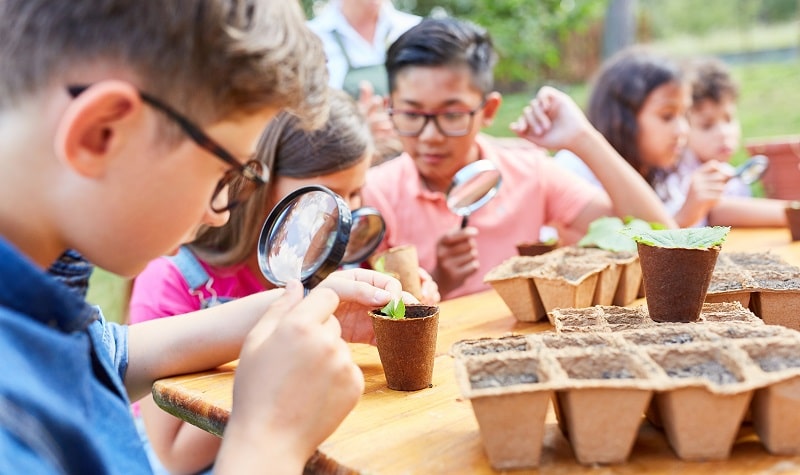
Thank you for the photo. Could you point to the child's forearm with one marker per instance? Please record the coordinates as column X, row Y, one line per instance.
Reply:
column 748, row 212
column 630, row 194
column 192, row 342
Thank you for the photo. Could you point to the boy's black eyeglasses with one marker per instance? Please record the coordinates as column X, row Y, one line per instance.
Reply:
column 448, row 123
column 240, row 181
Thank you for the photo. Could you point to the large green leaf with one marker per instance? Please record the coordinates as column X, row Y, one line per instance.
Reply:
column 605, row 233
column 686, row 238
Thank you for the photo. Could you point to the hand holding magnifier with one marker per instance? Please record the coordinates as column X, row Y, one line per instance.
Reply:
column 307, row 236
column 751, row 170
column 472, row 187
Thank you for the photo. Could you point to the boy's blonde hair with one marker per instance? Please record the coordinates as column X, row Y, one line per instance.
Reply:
column 208, row 59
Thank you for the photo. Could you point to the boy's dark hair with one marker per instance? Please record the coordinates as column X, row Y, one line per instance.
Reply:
column 209, row 59
column 620, row 89
column 288, row 150
column 711, row 80
column 444, row 42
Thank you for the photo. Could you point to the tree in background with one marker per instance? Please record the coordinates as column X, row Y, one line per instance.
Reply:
column 544, row 40
column 529, row 35
column 619, row 30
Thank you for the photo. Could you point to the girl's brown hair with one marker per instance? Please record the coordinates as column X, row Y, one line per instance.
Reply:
column 619, row 92
column 288, row 150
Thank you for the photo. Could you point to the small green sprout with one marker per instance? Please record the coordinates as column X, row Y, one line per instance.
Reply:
column 395, row 309
column 380, row 265
column 551, row 241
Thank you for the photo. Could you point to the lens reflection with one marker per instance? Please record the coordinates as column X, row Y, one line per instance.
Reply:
column 302, row 236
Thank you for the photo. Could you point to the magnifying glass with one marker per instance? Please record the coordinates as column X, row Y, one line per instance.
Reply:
column 751, row 170
column 366, row 233
column 304, row 237
column 472, row 187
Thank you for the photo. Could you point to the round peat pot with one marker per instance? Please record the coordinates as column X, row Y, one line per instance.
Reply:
column 535, row 248
column 407, row 347
column 675, row 281
column 793, row 219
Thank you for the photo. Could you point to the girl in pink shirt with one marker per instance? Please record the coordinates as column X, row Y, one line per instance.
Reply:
column 221, row 264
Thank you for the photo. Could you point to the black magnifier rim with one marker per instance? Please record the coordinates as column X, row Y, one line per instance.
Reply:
column 480, row 166
column 336, row 252
column 367, row 250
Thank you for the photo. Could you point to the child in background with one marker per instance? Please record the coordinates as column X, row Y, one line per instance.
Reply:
column 639, row 102
column 222, row 263
column 714, row 134
column 123, row 176
column 714, row 128
column 441, row 95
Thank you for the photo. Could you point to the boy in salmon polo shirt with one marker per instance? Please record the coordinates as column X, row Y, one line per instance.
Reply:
column 441, row 95
column 124, row 126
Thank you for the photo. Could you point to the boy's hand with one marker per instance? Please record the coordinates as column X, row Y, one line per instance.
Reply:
column 705, row 189
column 456, row 258
column 374, row 109
column 293, row 385
column 359, row 291
column 551, row 120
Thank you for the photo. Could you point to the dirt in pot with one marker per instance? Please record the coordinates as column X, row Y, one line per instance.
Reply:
column 517, row 343
column 482, row 381
column 710, row 370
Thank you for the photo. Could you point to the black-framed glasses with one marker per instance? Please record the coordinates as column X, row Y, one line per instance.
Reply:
column 241, row 180
column 409, row 123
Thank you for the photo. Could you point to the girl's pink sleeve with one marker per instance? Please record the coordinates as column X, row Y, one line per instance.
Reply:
column 160, row 291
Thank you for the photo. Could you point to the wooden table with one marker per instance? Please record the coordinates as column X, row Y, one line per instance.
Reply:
column 434, row 430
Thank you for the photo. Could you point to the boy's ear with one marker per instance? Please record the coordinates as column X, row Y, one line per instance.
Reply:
column 490, row 108
column 89, row 129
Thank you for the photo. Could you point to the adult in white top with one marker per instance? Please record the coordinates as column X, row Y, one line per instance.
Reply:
column 366, row 29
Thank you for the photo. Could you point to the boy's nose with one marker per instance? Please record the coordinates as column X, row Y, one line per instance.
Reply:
column 430, row 131
column 354, row 202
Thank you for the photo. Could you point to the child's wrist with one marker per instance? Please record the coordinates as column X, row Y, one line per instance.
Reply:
column 586, row 142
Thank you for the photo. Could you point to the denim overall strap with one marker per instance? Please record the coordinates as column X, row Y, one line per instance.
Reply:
column 190, row 268
column 197, row 278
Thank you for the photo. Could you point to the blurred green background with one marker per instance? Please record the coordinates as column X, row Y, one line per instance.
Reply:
column 561, row 43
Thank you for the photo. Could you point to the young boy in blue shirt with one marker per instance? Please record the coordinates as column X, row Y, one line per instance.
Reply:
column 123, row 126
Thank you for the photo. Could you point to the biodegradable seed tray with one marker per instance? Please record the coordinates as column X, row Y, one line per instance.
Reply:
column 696, row 380
column 609, row 318
column 761, row 281
column 569, row 276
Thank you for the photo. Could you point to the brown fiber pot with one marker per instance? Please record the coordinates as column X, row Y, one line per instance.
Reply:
column 535, row 248
column 407, row 347
column 675, row 281
column 793, row 219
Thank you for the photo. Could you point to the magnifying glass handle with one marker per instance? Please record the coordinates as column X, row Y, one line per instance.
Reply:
column 464, row 222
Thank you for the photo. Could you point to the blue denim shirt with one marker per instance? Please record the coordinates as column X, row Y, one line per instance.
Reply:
column 63, row 408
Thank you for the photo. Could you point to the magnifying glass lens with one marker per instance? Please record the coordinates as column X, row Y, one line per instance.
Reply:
column 304, row 237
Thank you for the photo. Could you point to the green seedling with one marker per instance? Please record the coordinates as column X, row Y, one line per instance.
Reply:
column 550, row 242
column 395, row 309
column 380, row 265
column 686, row 238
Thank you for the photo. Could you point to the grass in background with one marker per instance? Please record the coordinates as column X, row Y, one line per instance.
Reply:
column 769, row 101
column 110, row 292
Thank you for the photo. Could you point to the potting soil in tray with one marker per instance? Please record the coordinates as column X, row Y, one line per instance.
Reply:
column 712, row 367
